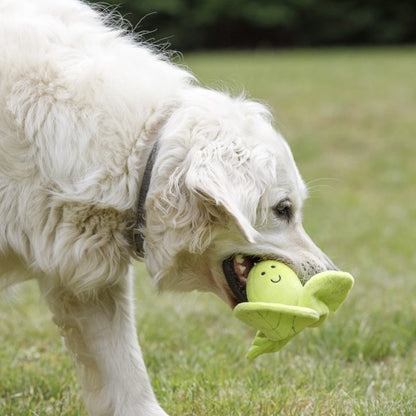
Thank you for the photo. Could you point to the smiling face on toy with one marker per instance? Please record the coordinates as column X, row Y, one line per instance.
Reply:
column 273, row 282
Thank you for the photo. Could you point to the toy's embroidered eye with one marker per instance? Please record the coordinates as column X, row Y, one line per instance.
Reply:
column 284, row 209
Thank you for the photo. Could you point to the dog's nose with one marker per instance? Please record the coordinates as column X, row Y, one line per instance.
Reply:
column 312, row 266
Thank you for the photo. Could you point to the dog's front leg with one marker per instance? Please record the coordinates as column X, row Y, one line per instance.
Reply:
column 100, row 332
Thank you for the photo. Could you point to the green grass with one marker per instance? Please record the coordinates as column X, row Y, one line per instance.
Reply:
column 349, row 116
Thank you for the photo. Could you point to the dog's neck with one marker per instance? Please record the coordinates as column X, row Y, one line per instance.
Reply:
column 138, row 235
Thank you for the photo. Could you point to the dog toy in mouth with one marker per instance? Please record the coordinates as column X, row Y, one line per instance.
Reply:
column 280, row 307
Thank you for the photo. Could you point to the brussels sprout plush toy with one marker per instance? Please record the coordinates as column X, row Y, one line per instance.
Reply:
column 280, row 307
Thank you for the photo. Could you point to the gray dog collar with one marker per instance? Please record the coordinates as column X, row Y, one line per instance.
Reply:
column 138, row 236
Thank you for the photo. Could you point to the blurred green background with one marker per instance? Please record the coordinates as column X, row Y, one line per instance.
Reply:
column 208, row 24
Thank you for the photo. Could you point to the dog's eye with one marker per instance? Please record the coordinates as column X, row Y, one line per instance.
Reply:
column 284, row 210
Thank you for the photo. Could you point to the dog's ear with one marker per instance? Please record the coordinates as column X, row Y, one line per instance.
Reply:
column 218, row 176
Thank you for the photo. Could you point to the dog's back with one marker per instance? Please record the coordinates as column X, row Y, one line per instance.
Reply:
column 74, row 97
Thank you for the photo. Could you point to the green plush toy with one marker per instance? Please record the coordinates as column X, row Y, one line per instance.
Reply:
column 279, row 307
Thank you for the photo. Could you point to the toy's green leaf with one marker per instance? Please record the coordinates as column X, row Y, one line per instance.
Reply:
column 277, row 321
column 325, row 292
column 261, row 345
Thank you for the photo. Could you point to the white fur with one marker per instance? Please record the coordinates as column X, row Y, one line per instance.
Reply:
column 81, row 105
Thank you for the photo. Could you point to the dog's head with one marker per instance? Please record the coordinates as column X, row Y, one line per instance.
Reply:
column 225, row 193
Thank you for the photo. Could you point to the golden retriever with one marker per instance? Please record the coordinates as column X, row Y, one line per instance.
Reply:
column 109, row 152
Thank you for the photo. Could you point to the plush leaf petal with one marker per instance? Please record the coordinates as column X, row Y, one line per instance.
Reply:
column 325, row 292
column 277, row 321
column 261, row 345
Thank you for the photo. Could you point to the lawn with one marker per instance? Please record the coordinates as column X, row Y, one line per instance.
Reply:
column 350, row 118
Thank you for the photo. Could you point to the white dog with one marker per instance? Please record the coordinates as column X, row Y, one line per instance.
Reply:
column 96, row 131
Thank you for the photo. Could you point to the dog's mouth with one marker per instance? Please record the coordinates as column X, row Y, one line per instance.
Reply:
column 236, row 269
